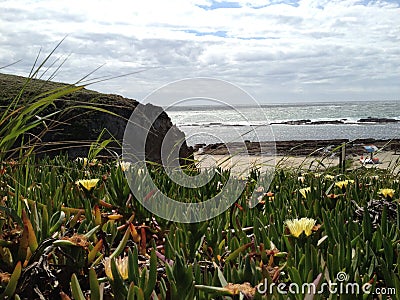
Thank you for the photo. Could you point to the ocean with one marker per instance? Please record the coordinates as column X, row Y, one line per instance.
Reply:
column 213, row 124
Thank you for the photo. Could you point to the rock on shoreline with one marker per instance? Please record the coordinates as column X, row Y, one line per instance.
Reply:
column 371, row 120
column 74, row 130
column 298, row 148
column 378, row 120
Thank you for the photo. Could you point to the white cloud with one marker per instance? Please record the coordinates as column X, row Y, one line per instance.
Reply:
column 277, row 50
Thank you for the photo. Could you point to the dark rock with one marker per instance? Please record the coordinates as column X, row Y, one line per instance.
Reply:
column 74, row 130
column 293, row 122
column 198, row 146
column 378, row 120
column 215, row 149
column 301, row 148
column 328, row 122
column 152, row 127
column 298, row 122
column 309, row 122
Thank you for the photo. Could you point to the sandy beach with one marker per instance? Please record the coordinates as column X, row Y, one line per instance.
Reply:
column 240, row 164
column 316, row 155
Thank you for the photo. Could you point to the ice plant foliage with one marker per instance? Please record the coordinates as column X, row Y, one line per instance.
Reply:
column 387, row 193
column 125, row 227
column 87, row 184
column 297, row 227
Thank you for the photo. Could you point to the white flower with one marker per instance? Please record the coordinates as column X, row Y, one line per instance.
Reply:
column 124, row 165
column 301, row 179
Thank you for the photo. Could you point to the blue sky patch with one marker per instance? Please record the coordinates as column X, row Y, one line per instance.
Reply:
column 220, row 4
column 220, row 33
column 366, row 2
column 294, row 3
column 255, row 38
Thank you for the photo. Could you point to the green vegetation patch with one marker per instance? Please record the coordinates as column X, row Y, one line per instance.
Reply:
column 67, row 227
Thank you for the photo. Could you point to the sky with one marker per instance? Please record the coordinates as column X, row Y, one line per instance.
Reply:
column 275, row 50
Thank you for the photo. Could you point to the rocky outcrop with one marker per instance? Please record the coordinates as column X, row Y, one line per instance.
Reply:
column 336, row 122
column 150, row 129
column 377, row 120
column 300, row 148
column 76, row 127
column 293, row 122
column 309, row 122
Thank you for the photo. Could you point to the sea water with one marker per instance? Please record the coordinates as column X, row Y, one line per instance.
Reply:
column 212, row 124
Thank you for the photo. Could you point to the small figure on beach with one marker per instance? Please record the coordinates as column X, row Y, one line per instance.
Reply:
column 370, row 160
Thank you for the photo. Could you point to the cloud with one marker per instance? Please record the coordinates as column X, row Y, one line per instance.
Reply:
column 277, row 50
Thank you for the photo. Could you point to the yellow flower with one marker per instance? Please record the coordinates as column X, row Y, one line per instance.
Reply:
column 87, row 184
column 343, row 183
column 297, row 227
column 305, row 191
column 329, row 177
column 387, row 193
column 122, row 266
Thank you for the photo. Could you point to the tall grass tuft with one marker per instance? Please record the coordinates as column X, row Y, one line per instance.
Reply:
column 24, row 114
